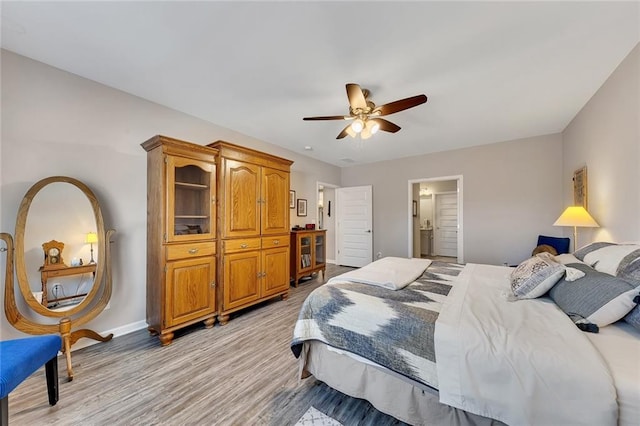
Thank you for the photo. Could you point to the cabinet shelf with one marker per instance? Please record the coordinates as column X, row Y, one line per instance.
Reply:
column 191, row 185
column 190, row 216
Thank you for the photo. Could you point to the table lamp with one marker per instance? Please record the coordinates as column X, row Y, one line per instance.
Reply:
column 92, row 238
column 576, row 216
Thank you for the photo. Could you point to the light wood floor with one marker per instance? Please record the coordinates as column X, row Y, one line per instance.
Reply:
column 240, row 374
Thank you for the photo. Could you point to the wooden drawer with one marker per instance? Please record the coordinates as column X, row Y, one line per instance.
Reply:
column 241, row 244
column 185, row 251
column 279, row 241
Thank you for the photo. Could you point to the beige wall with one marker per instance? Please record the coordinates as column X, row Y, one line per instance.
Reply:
column 605, row 137
column 511, row 193
column 56, row 123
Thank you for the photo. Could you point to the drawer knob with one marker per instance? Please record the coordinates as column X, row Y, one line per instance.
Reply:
column 193, row 251
column 276, row 242
column 244, row 245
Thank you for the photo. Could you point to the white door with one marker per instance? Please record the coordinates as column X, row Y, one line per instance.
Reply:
column 445, row 237
column 354, row 226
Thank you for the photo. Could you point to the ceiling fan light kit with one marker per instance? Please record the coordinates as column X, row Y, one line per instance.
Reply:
column 366, row 114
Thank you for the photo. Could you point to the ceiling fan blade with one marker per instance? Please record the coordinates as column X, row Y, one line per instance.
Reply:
column 328, row 117
column 386, row 125
column 344, row 132
column 356, row 97
column 401, row 105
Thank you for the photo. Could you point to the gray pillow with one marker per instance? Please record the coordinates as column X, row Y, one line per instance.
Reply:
column 597, row 299
column 633, row 317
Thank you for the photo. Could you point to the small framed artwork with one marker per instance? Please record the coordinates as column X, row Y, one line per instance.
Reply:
column 415, row 208
column 580, row 187
column 292, row 199
column 302, row 207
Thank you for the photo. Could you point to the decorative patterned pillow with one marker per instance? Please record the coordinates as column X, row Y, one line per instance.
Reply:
column 597, row 298
column 535, row 276
column 611, row 258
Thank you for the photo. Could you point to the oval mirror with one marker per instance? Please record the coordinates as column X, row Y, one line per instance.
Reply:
column 59, row 240
column 61, row 253
column 62, row 285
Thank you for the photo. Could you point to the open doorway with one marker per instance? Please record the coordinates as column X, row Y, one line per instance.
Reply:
column 326, row 196
column 435, row 218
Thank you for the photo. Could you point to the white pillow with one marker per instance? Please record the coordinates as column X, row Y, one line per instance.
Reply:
column 610, row 258
column 567, row 258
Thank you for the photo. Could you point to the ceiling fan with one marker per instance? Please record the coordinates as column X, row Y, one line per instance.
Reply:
column 366, row 115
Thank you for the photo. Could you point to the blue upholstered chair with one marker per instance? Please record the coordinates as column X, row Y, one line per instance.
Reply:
column 19, row 359
column 561, row 244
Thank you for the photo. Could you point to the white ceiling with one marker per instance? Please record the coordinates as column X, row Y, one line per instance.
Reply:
column 492, row 71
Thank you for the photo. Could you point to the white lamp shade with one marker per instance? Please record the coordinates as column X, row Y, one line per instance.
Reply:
column 576, row 216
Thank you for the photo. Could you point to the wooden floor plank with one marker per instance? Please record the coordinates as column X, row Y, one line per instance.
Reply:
column 242, row 373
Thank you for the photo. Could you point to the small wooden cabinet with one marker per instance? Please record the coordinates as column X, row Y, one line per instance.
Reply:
column 253, row 235
column 308, row 253
column 181, row 235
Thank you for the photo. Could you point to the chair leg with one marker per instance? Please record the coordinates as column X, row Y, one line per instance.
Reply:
column 51, row 369
column 4, row 411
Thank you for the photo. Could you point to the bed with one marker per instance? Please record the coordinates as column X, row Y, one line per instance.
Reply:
column 498, row 361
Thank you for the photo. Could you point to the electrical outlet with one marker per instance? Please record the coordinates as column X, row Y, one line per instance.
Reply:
column 379, row 255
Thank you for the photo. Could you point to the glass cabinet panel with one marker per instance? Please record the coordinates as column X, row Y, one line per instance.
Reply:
column 319, row 248
column 305, row 252
column 191, row 207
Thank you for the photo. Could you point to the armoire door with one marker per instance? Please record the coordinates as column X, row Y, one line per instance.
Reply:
column 274, row 202
column 275, row 268
column 241, row 279
column 241, row 199
column 190, row 289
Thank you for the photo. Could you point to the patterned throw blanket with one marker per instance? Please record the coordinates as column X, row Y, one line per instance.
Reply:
column 393, row 328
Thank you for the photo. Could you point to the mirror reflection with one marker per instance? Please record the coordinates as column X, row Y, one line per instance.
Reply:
column 60, row 246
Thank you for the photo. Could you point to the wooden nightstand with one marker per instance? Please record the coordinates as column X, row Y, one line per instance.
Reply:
column 64, row 271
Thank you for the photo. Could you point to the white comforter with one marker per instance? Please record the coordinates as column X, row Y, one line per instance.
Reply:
column 524, row 362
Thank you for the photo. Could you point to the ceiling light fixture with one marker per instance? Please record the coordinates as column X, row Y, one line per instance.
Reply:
column 357, row 125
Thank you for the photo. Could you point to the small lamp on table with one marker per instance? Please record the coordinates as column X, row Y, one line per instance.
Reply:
column 92, row 238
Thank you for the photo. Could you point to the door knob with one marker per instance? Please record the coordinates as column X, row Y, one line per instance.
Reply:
column 368, row 231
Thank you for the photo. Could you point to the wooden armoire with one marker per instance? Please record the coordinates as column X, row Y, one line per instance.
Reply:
column 181, row 235
column 253, row 228
column 217, row 232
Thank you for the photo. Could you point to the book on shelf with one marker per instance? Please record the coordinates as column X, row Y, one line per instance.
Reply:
column 305, row 260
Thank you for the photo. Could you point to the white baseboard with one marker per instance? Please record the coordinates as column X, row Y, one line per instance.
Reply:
column 118, row 331
column 332, row 261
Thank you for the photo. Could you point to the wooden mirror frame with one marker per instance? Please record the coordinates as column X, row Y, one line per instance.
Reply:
column 87, row 309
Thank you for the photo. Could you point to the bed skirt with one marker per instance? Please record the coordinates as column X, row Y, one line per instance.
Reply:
column 407, row 401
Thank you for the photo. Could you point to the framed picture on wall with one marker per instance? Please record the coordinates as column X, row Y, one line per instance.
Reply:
column 415, row 208
column 302, row 207
column 292, row 199
column 580, row 187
